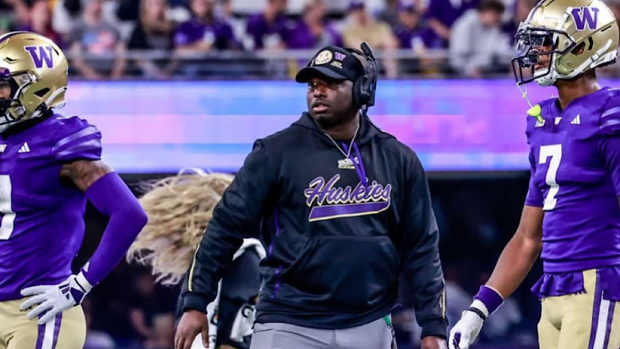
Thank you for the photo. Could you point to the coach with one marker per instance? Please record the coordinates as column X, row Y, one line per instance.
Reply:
column 342, row 209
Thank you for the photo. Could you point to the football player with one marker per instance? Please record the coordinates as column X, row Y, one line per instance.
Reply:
column 179, row 209
column 571, row 211
column 49, row 166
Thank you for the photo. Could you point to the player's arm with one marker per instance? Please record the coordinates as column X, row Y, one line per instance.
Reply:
column 237, row 215
column 513, row 265
column 109, row 194
column 421, row 264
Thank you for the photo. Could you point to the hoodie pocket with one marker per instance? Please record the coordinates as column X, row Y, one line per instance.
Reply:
column 344, row 273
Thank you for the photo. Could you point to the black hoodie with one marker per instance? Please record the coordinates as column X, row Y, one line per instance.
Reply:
column 337, row 233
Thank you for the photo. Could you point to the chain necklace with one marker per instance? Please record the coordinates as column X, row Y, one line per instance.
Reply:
column 348, row 153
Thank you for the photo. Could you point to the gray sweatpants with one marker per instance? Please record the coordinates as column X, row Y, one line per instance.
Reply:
column 374, row 335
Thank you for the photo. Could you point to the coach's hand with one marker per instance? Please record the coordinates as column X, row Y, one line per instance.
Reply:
column 192, row 322
column 431, row 342
column 465, row 332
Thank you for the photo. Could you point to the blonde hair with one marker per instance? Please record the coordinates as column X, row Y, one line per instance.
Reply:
column 179, row 209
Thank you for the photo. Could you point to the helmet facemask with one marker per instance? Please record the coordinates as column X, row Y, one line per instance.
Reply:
column 537, row 52
column 12, row 111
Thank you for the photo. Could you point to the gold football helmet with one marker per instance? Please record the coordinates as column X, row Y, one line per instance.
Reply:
column 561, row 39
column 36, row 70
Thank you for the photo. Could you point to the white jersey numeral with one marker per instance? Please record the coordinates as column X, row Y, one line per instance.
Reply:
column 8, row 216
column 555, row 152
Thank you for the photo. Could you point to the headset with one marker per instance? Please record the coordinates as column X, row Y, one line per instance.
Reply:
column 364, row 87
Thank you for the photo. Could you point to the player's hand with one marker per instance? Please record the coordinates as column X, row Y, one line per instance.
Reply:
column 51, row 300
column 192, row 322
column 431, row 342
column 465, row 332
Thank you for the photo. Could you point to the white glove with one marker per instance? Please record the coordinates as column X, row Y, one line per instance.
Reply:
column 466, row 330
column 243, row 324
column 53, row 299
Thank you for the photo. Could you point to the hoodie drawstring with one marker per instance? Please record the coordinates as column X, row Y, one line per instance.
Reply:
column 359, row 164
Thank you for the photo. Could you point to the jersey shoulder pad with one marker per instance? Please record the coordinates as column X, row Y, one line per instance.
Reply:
column 609, row 120
column 77, row 139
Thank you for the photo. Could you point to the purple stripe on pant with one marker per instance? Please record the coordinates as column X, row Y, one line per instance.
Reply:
column 610, row 318
column 597, row 307
column 57, row 324
column 40, row 336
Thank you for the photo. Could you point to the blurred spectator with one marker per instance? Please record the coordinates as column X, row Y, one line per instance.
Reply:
column 153, row 31
column 65, row 16
column 477, row 45
column 163, row 332
column 95, row 339
column 521, row 9
column 362, row 27
column 271, row 28
column 128, row 10
column 101, row 43
column 204, row 31
column 311, row 31
column 458, row 298
column 21, row 11
column 390, row 13
column 410, row 31
column 148, row 305
column 238, row 23
column 41, row 21
column 441, row 15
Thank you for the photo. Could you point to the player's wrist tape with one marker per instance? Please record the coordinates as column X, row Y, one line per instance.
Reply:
column 489, row 298
column 478, row 312
column 83, row 283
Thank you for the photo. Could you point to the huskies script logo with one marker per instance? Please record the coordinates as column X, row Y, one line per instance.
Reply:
column 334, row 202
column 585, row 15
column 41, row 54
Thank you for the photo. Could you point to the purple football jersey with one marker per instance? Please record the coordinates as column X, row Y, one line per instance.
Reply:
column 42, row 222
column 575, row 177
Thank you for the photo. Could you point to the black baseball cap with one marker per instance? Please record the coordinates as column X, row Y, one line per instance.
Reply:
column 334, row 63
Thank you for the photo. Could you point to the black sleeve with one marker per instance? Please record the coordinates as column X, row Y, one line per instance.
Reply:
column 236, row 215
column 240, row 285
column 422, row 267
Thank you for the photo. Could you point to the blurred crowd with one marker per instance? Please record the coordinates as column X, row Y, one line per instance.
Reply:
column 109, row 39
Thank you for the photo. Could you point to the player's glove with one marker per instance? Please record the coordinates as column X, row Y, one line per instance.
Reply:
column 54, row 299
column 466, row 330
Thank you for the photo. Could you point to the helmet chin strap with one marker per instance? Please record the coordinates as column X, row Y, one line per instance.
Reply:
column 534, row 110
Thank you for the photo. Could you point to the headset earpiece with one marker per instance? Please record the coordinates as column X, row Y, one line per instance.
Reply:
column 364, row 87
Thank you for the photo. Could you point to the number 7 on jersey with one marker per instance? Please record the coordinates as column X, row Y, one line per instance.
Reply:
column 555, row 152
column 8, row 216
